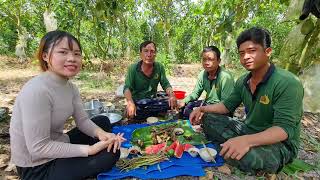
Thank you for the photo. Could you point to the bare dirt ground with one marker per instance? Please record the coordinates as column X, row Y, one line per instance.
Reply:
column 183, row 77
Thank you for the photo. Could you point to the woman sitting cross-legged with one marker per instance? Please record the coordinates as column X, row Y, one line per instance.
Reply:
column 39, row 148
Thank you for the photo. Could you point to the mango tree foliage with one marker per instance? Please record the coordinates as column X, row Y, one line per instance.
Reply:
column 181, row 28
column 301, row 48
column 16, row 20
column 162, row 17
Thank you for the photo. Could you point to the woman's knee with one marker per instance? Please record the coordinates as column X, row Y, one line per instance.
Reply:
column 108, row 159
column 111, row 156
column 103, row 122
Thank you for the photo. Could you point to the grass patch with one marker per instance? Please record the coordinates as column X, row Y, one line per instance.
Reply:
column 89, row 81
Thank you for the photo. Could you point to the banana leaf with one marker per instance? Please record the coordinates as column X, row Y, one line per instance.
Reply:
column 188, row 137
column 296, row 166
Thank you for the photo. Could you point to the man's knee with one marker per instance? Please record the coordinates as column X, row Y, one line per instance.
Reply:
column 263, row 158
column 212, row 130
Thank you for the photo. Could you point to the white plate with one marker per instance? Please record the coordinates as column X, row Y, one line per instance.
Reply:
column 151, row 120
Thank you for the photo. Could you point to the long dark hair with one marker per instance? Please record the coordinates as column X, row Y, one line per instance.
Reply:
column 49, row 41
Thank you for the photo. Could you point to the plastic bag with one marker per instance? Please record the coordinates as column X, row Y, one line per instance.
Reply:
column 50, row 21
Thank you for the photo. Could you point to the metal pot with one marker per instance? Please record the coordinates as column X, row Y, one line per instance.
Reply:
column 113, row 117
column 93, row 107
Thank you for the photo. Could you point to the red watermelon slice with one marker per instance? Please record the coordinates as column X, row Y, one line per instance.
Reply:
column 172, row 146
column 179, row 150
column 155, row 149
column 187, row 147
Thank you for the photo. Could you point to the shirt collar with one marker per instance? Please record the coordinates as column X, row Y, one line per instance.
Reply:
column 217, row 73
column 140, row 64
column 265, row 78
column 56, row 78
column 140, row 70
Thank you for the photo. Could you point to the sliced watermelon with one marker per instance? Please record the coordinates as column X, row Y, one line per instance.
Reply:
column 187, row 147
column 179, row 150
column 155, row 149
column 172, row 146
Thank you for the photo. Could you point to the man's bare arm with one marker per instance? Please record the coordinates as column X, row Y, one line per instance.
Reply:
column 218, row 108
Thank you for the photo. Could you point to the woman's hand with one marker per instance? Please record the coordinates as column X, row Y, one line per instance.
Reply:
column 112, row 139
column 118, row 139
column 97, row 147
column 103, row 135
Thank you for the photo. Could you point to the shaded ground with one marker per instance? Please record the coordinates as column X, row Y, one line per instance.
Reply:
column 183, row 77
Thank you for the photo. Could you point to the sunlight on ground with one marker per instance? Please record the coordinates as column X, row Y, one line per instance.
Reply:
column 12, row 74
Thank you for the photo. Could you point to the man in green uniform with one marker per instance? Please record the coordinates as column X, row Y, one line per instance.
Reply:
column 214, row 80
column 269, row 136
column 142, row 80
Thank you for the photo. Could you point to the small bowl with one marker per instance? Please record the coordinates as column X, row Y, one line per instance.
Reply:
column 179, row 94
column 151, row 120
column 193, row 152
column 124, row 152
column 205, row 156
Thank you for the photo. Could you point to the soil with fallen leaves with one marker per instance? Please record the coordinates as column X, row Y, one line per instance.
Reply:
column 183, row 77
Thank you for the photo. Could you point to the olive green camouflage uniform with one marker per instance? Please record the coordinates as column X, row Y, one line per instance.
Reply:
column 269, row 158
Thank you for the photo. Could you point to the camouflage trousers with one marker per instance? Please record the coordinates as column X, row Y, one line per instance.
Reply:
column 268, row 158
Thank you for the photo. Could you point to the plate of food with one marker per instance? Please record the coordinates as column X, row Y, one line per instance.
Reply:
column 167, row 133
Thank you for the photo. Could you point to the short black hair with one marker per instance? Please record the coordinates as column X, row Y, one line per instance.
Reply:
column 145, row 43
column 257, row 35
column 212, row 49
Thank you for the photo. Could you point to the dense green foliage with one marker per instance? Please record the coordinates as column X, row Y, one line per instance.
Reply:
column 114, row 29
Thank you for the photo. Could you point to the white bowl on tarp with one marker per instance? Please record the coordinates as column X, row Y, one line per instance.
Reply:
column 113, row 117
column 208, row 157
column 193, row 151
column 151, row 120
column 124, row 152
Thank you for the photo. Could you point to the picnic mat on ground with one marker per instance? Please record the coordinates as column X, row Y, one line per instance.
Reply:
column 185, row 166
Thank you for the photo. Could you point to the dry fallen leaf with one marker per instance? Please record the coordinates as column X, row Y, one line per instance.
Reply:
column 11, row 167
column 224, row 169
column 272, row 177
column 4, row 158
column 11, row 178
column 209, row 175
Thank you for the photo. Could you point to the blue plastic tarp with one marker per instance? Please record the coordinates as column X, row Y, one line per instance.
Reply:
column 185, row 166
